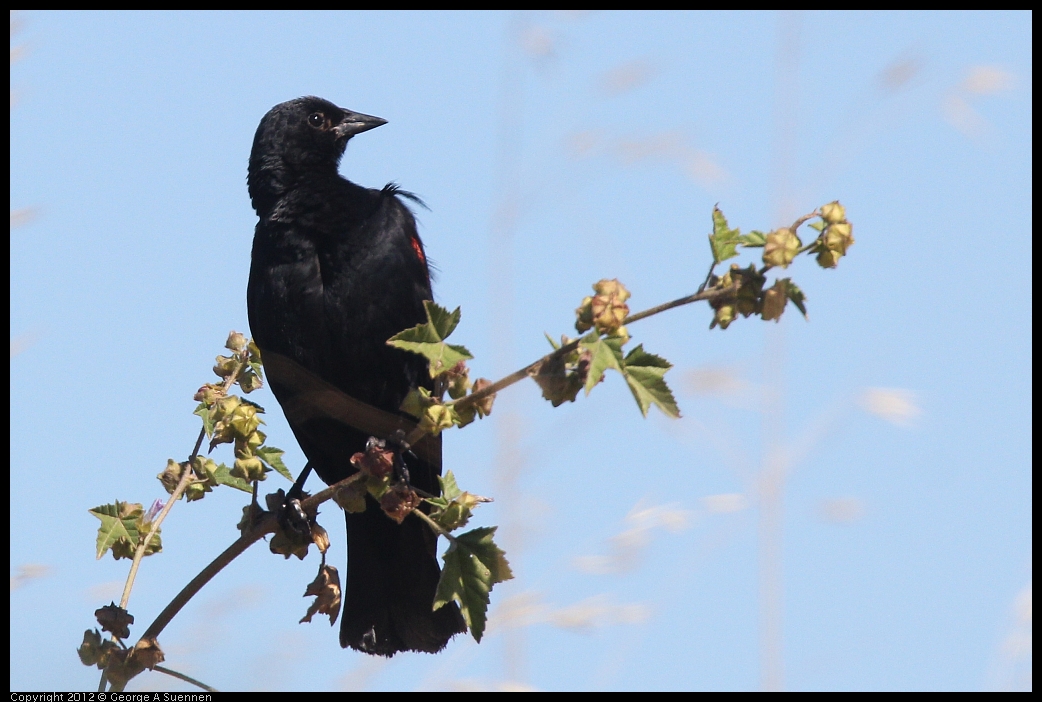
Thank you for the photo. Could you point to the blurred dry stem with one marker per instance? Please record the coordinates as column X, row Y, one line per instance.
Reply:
column 1012, row 670
column 29, row 572
column 22, row 216
column 898, row 74
column 981, row 80
column 528, row 608
column 895, row 405
column 842, row 510
column 626, row 548
column 671, row 146
column 725, row 503
column 627, row 76
column 22, row 342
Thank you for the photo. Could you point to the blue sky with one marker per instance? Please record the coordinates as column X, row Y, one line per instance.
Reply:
column 556, row 149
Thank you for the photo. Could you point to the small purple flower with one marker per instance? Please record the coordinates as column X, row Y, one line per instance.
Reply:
column 154, row 510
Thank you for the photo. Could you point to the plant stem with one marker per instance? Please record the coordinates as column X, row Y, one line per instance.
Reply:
column 265, row 526
column 698, row 296
column 434, row 525
column 533, row 367
column 182, row 676
column 182, row 485
column 709, row 276
column 139, row 553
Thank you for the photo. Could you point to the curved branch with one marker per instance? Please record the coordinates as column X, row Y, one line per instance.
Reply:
column 266, row 524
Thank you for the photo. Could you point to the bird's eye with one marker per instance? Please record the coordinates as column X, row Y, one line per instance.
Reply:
column 316, row 119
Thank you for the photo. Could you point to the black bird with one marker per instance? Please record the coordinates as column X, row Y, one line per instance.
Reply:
column 337, row 270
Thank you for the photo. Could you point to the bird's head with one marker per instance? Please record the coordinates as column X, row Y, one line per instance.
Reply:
column 305, row 135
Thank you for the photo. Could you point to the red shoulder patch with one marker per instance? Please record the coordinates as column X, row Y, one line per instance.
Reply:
column 418, row 248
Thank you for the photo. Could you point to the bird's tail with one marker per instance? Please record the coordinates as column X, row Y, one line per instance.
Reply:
column 392, row 577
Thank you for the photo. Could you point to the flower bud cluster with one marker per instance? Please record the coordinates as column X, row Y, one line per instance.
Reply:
column 836, row 237
column 604, row 311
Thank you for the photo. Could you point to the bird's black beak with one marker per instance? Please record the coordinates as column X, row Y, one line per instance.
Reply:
column 355, row 123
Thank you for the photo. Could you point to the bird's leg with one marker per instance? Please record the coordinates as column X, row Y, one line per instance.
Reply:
column 397, row 442
column 289, row 514
column 400, row 469
column 298, row 487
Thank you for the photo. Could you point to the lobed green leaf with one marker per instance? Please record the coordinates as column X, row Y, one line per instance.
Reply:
column 428, row 339
column 604, row 354
column 796, row 296
column 222, row 474
column 273, row 457
column 644, row 374
column 122, row 525
column 724, row 240
column 473, row 565
column 455, row 507
column 203, row 410
column 753, row 239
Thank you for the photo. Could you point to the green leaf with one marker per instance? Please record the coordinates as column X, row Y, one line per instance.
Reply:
column 552, row 342
column 605, row 353
column 417, row 402
column 428, row 339
column 121, row 528
column 817, row 226
column 455, row 507
column 118, row 521
column 796, row 296
column 441, row 320
column 644, row 374
column 753, row 239
column 449, row 489
column 473, row 565
column 222, row 474
column 203, row 410
column 723, row 241
column 273, row 457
